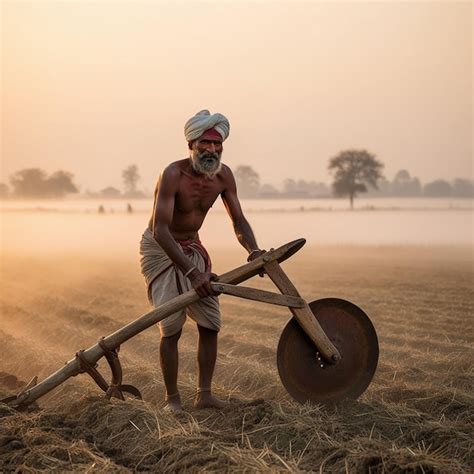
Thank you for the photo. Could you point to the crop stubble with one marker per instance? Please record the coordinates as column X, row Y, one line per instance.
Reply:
column 416, row 415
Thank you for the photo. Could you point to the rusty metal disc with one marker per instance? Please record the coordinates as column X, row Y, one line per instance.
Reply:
column 352, row 332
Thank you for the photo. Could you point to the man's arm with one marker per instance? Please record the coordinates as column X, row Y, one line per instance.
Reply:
column 242, row 228
column 162, row 218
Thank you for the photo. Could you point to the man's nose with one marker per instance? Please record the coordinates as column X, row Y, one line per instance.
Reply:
column 211, row 147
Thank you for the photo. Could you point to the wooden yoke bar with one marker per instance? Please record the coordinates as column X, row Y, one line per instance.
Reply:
column 94, row 353
column 259, row 295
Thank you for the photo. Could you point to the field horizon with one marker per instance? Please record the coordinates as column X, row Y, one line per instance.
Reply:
column 416, row 416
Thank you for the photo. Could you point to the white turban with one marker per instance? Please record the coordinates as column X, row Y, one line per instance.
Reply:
column 203, row 121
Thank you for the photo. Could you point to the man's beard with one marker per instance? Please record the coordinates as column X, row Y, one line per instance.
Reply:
column 206, row 162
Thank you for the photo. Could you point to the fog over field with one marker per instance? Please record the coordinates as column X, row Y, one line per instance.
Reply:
column 74, row 227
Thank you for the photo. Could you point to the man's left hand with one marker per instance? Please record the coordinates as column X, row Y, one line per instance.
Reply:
column 255, row 254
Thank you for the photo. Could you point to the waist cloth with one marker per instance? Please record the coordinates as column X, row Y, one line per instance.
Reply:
column 165, row 281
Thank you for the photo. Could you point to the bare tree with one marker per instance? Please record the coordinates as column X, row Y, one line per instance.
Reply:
column 353, row 171
column 130, row 178
column 247, row 180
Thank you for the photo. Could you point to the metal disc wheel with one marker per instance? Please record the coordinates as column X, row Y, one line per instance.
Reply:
column 309, row 379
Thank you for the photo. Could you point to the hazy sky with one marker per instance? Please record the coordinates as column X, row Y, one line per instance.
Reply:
column 92, row 87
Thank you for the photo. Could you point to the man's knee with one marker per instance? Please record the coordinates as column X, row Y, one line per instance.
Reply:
column 207, row 332
column 172, row 339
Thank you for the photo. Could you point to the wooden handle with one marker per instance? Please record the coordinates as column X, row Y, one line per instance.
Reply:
column 94, row 353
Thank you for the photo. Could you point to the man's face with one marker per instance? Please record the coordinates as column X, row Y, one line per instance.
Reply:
column 206, row 155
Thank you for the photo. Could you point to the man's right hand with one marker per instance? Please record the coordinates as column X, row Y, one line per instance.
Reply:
column 201, row 282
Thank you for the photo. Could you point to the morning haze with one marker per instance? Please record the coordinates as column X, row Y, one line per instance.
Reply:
column 92, row 88
column 103, row 87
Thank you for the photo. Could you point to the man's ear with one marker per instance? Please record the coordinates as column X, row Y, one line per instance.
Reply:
column 190, row 145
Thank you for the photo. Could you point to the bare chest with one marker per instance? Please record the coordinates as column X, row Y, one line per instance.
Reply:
column 197, row 194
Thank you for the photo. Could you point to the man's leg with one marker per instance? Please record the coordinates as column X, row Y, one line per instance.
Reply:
column 169, row 367
column 207, row 354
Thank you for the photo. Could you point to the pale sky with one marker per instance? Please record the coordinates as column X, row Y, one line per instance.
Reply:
column 93, row 87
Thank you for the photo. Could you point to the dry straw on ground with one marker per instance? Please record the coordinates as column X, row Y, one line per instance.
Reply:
column 417, row 415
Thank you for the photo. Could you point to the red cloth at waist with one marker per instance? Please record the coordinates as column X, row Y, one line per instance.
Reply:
column 193, row 245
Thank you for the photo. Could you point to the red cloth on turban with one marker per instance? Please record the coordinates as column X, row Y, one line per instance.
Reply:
column 211, row 134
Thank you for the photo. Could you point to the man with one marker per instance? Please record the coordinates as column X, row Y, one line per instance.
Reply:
column 173, row 258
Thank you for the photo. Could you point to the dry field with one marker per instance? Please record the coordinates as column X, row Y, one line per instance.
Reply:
column 416, row 416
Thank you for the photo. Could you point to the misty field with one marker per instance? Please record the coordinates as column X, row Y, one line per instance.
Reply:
column 416, row 416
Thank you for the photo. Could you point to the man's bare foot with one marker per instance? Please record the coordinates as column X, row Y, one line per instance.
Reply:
column 205, row 399
column 173, row 403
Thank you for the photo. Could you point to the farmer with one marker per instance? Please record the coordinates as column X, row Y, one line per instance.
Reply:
column 173, row 259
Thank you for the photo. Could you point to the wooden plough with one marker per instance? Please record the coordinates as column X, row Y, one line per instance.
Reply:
column 327, row 351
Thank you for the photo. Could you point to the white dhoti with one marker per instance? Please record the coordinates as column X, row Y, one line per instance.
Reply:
column 165, row 281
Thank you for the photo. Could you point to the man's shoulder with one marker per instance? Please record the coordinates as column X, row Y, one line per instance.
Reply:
column 225, row 171
column 175, row 168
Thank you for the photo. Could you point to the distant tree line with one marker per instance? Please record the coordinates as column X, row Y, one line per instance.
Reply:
column 35, row 183
column 403, row 185
column 399, row 187
column 130, row 178
column 353, row 171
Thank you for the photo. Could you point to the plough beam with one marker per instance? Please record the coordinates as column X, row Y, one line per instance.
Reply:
column 86, row 359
